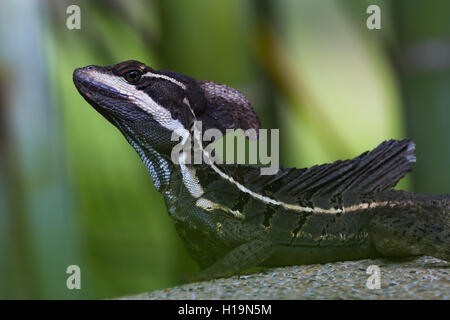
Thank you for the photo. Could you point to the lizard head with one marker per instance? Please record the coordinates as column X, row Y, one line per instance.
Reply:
column 146, row 105
column 149, row 105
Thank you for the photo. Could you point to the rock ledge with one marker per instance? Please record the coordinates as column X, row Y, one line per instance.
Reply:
column 421, row 278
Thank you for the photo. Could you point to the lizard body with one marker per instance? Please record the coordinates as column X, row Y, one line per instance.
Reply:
column 231, row 217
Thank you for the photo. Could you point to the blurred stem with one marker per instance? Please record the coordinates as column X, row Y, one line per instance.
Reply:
column 423, row 61
column 20, row 278
column 278, row 65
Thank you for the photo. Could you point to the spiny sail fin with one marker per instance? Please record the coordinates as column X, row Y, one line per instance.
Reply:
column 372, row 171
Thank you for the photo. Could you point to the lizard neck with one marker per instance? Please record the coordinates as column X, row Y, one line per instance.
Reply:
column 158, row 165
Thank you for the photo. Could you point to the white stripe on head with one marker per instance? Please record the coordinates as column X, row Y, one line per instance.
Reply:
column 162, row 76
column 139, row 98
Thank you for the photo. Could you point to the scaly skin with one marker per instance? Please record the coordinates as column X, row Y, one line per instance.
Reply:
column 229, row 216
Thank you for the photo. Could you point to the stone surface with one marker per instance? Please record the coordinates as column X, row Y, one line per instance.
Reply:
column 421, row 278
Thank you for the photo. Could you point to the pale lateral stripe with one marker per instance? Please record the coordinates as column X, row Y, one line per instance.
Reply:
column 259, row 196
column 161, row 76
column 292, row 206
column 140, row 98
column 270, row 200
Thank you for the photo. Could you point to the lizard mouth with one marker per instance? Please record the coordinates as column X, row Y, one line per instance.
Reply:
column 91, row 88
column 102, row 97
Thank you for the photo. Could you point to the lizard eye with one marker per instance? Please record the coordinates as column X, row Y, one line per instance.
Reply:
column 133, row 76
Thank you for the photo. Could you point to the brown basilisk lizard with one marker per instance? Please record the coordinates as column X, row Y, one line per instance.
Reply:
column 231, row 217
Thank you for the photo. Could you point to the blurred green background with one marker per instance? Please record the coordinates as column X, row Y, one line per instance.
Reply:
column 72, row 191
